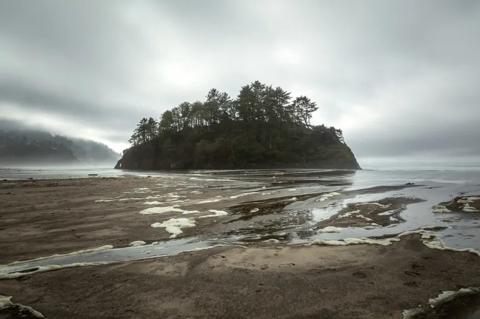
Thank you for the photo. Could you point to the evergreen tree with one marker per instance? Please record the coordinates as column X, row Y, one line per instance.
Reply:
column 302, row 109
column 262, row 125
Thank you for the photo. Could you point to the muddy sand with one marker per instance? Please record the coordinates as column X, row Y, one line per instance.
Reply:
column 265, row 279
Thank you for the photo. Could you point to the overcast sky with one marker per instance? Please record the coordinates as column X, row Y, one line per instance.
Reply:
column 401, row 78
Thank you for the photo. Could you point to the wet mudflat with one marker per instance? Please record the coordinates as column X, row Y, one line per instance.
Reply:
column 208, row 238
column 366, row 281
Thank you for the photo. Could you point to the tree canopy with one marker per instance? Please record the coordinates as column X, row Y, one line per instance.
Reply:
column 262, row 127
column 256, row 102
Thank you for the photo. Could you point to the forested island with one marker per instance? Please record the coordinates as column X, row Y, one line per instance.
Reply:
column 264, row 127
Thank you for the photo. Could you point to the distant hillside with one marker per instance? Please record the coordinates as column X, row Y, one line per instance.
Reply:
column 30, row 147
column 262, row 128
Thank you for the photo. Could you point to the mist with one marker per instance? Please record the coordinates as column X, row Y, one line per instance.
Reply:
column 28, row 147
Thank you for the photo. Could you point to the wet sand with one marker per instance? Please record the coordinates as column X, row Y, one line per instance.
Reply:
column 465, row 204
column 45, row 217
column 362, row 281
column 259, row 279
column 384, row 212
column 41, row 218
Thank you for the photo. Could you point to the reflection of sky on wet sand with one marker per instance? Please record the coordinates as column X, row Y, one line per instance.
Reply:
column 295, row 222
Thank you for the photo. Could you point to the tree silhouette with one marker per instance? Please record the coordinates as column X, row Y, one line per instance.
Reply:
column 261, row 125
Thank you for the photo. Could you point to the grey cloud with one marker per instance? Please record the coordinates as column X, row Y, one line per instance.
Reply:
column 400, row 77
column 27, row 98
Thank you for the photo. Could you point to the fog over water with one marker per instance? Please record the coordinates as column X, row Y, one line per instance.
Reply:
column 399, row 77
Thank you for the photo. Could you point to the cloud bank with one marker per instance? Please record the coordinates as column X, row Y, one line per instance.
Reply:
column 399, row 77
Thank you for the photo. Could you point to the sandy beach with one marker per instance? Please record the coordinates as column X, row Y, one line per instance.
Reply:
column 263, row 278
